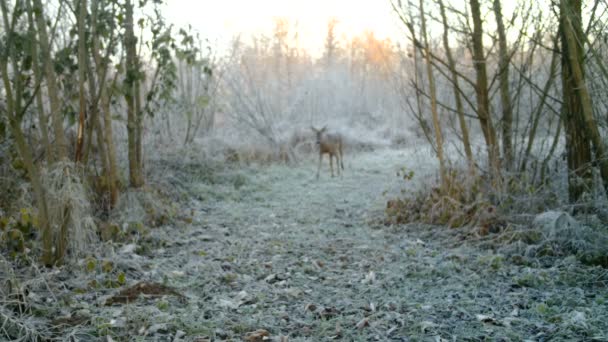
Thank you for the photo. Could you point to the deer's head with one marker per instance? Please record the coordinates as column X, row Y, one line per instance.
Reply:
column 318, row 134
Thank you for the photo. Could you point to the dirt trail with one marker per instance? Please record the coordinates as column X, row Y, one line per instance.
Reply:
column 297, row 255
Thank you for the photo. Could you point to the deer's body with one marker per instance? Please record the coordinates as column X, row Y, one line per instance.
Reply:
column 331, row 144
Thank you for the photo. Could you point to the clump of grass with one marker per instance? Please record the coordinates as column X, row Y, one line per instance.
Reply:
column 20, row 328
column 145, row 206
column 557, row 234
column 69, row 209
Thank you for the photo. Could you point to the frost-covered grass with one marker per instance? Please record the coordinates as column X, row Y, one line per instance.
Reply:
column 271, row 247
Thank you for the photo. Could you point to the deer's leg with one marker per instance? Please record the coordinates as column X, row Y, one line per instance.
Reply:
column 337, row 164
column 319, row 167
column 341, row 157
column 331, row 164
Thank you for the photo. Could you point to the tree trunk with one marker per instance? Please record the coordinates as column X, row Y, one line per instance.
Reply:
column 436, row 124
column 544, row 167
column 48, row 258
column 51, row 82
column 81, row 6
column 578, row 148
column 42, row 119
column 581, row 128
column 459, row 108
column 131, row 94
column 109, row 141
column 13, row 104
column 481, row 89
column 139, row 121
column 505, row 95
column 104, row 104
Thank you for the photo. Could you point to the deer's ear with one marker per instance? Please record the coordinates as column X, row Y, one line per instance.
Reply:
column 314, row 129
column 323, row 129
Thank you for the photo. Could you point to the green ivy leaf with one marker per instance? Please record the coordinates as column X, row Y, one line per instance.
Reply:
column 91, row 264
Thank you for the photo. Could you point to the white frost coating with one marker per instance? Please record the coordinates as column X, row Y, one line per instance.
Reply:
column 554, row 221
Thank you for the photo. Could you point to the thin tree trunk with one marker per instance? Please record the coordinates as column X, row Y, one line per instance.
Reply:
column 94, row 121
column 436, row 124
column 104, row 104
column 51, row 82
column 13, row 104
column 459, row 108
column 538, row 113
column 505, row 96
column 481, row 89
column 103, row 155
column 81, row 5
column 48, row 257
column 418, row 112
column 42, row 118
column 544, row 167
column 131, row 94
column 139, row 120
column 109, row 141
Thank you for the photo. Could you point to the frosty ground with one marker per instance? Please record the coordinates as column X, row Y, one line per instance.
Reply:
column 270, row 250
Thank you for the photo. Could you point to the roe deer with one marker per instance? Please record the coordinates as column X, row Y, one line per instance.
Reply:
column 330, row 143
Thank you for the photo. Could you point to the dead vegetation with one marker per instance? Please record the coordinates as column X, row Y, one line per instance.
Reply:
column 144, row 289
column 524, row 217
column 291, row 148
column 461, row 203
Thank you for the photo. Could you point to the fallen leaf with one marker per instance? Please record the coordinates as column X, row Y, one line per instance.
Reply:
column 128, row 249
column 338, row 334
column 225, row 303
column 328, row 312
column 426, row 325
column 256, row 336
column 487, row 319
column 201, row 339
column 369, row 278
column 362, row 324
column 310, row 307
column 271, row 278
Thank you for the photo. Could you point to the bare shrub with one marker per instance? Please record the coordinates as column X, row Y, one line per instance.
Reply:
column 460, row 204
column 302, row 141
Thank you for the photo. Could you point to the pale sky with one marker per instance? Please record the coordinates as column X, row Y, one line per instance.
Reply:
column 220, row 20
